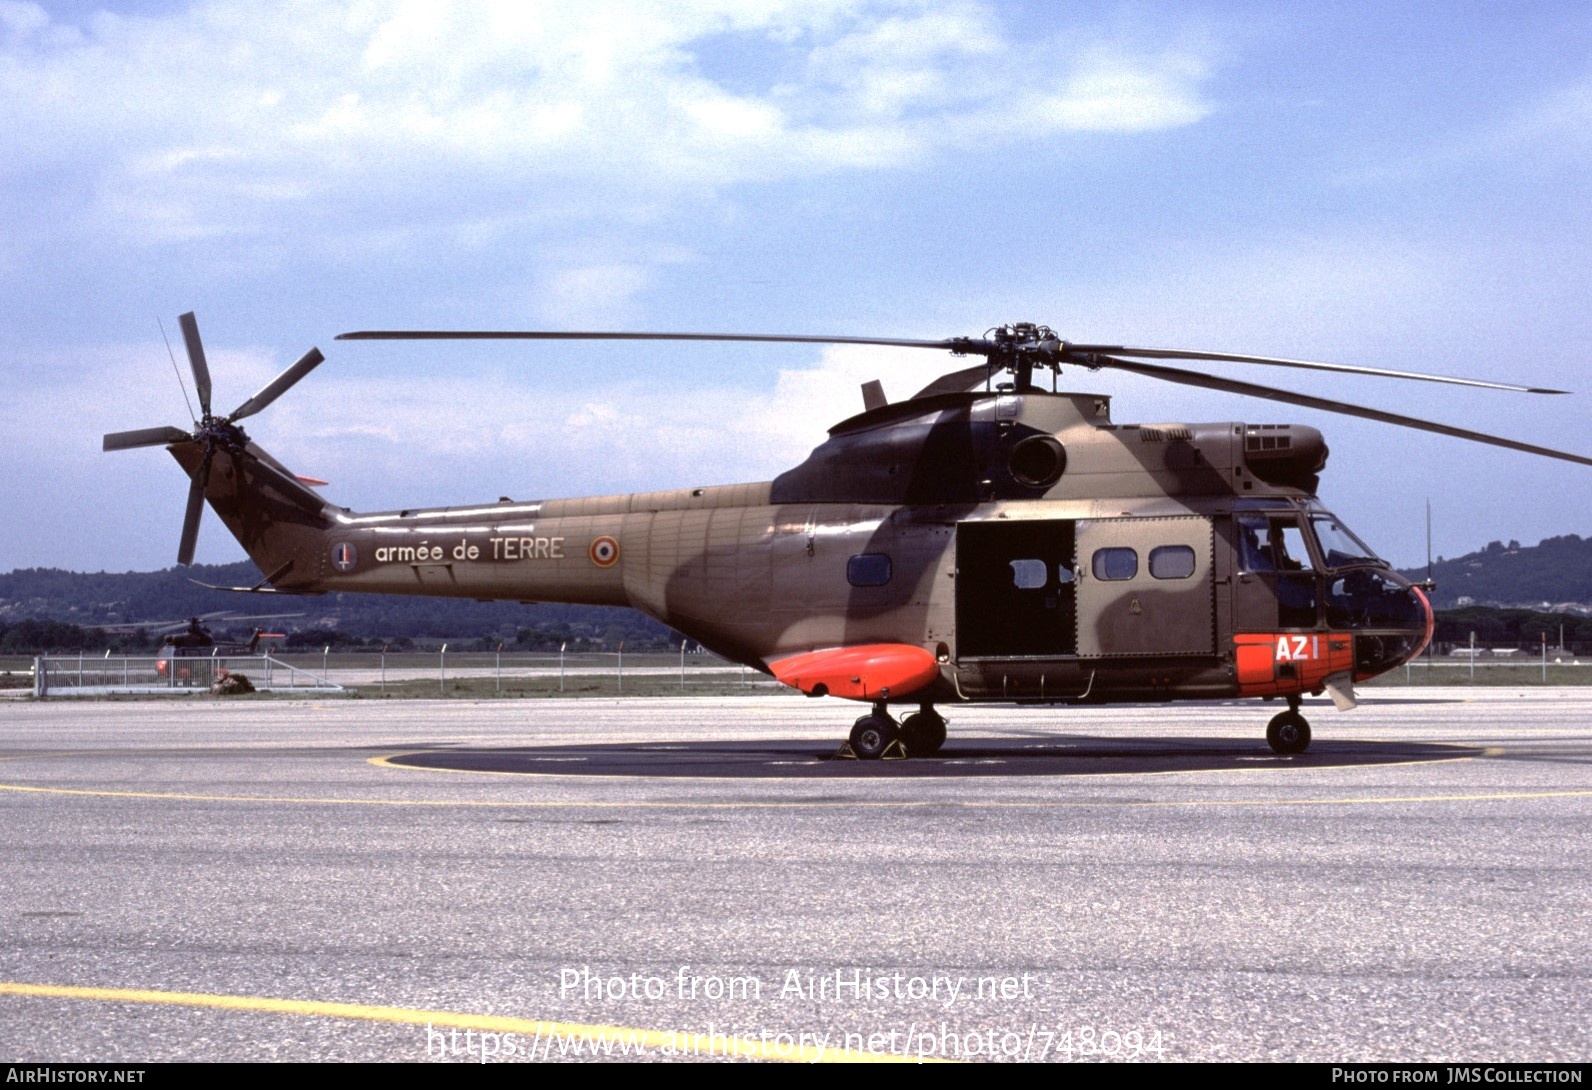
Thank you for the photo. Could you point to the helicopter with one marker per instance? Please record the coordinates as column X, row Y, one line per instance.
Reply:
column 985, row 540
column 196, row 640
column 192, row 636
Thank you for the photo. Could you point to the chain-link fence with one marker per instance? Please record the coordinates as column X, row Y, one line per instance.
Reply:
column 401, row 673
column 84, row 675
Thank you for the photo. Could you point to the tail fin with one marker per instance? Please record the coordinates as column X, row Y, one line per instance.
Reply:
column 280, row 522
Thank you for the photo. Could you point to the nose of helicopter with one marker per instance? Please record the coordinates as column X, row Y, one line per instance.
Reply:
column 1390, row 617
column 1431, row 620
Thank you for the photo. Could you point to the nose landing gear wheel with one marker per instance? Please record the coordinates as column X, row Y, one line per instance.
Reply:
column 872, row 735
column 1288, row 733
column 923, row 732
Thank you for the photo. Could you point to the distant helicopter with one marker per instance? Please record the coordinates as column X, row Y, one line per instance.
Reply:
column 192, row 637
column 196, row 640
column 982, row 541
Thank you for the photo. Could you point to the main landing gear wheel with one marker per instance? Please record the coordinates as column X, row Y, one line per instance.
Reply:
column 872, row 735
column 923, row 732
column 1288, row 733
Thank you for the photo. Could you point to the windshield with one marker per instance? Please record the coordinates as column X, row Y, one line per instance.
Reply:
column 1339, row 547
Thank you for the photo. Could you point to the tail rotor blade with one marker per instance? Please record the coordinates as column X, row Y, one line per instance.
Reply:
column 279, row 385
column 143, row 437
column 196, row 358
column 196, row 509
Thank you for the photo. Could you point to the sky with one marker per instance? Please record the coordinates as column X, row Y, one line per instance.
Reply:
column 1401, row 186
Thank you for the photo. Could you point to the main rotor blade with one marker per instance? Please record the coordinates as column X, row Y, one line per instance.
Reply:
column 279, row 385
column 196, row 359
column 1043, row 353
column 955, row 344
column 1249, row 389
column 196, row 509
column 143, row 437
column 1311, row 365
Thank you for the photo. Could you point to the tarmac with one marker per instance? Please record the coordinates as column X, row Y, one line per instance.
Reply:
column 691, row 877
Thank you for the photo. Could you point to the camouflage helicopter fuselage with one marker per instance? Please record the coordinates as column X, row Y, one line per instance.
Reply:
column 999, row 546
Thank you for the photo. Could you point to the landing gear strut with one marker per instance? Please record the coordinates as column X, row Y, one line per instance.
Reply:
column 1288, row 733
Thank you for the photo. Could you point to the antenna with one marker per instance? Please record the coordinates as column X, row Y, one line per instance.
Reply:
column 1429, row 539
column 180, row 384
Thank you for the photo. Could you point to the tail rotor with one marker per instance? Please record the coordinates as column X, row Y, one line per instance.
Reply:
column 211, row 431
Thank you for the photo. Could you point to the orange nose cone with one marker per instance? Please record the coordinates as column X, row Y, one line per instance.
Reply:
column 1431, row 622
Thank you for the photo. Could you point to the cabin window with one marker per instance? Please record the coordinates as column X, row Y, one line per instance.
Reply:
column 1029, row 574
column 1115, row 564
column 868, row 570
column 1172, row 562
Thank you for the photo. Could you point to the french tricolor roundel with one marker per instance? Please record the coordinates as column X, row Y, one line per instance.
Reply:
column 604, row 552
column 344, row 557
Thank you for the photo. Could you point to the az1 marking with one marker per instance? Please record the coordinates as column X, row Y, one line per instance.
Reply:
column 1298, row 648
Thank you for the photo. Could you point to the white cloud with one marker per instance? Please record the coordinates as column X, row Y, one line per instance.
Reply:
column 208, row 120
column 1109, row 92
column 592, row 294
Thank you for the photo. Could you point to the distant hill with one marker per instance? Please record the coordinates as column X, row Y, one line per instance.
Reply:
column 101, row 598
column 1554, row 575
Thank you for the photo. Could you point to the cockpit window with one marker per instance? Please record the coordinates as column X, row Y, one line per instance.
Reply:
column 1267, row 545
column 1254, row 548
column 1292, row 553
column 1340, row 547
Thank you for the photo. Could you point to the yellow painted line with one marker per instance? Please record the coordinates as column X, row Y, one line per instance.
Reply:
column 798, row 804
column 555, row 1040
column 386, row 761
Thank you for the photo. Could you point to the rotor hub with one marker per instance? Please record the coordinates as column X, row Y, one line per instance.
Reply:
column 1022, row 346
column 218, row 431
